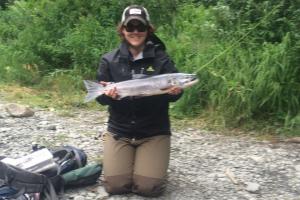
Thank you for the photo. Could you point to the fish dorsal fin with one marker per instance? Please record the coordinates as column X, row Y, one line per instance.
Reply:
column 140, row 76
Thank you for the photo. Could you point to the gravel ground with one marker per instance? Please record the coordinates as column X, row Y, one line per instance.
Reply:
column 203, row 165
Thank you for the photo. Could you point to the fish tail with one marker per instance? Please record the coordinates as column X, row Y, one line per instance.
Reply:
column 94, row 90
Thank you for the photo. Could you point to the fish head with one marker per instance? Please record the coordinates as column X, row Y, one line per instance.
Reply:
column 183, row 80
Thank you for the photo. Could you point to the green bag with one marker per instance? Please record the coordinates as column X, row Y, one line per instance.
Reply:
column 86, row 175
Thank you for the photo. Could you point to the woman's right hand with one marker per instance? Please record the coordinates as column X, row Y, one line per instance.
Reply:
column 111, row 92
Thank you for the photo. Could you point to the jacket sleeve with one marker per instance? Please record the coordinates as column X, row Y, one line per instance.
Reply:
column 103, row 74
column 168, row 66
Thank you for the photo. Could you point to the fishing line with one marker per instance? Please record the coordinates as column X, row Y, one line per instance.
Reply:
column 238, row 41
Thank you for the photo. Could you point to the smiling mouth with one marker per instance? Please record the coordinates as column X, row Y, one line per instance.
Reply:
column 136, row 35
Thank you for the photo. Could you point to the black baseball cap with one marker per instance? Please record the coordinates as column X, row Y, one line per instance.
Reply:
column 135, row 12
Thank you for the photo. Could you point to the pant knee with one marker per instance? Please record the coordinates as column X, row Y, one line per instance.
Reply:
column 119, row 184
column 147, row 186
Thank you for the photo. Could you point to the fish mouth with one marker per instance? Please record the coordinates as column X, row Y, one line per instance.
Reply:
column 192, row 82
column 194, row 77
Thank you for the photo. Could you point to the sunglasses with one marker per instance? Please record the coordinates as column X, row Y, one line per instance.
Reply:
column 139, row 27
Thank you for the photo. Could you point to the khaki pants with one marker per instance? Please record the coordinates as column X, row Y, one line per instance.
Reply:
column 138, row 166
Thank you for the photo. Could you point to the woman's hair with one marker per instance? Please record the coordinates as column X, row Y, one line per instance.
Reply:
column 120, row 27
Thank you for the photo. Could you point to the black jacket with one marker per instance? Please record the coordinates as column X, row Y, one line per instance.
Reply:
column 137, row 117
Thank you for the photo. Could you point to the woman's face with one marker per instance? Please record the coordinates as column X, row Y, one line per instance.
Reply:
column 135, row 33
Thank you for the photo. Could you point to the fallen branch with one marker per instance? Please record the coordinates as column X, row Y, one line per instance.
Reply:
column 293, row 140
column 230, row 175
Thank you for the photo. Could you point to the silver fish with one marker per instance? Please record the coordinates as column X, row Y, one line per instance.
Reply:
column 153, row 85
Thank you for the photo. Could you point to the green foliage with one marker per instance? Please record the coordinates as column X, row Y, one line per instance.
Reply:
column 55, row 35
column 5, row 3
column 86, row 41
column 246, row 53
column 283, row 17
column 248, row 80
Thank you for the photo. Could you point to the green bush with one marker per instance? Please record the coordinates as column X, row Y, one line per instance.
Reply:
column 241, row 80
column 246, row 53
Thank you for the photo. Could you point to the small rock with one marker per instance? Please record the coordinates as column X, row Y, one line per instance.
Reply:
column 16, row 110
column 90, row 194
column 51, row 128
column 43, row 123
column 297, row 167
column 257, row 158
column 293, row 140
column 79, row 198
column 4, row 129
column 252, row 187
column 190, row 129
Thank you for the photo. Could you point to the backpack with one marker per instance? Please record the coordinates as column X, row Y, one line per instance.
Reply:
column 19, row 182
column 69, row 158
column 8, row 193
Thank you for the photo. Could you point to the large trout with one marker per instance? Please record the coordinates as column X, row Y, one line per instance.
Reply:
column 153, row 85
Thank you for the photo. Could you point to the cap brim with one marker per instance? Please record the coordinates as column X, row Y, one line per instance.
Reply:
column 136, row 18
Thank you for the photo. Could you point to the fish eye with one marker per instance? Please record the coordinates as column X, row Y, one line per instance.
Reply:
column 173, row 81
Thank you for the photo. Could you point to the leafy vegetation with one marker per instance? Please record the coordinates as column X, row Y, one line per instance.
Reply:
column 246, row 53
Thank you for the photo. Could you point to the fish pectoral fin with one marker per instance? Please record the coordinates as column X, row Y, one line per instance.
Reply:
column 143, row 95
column 166, row 89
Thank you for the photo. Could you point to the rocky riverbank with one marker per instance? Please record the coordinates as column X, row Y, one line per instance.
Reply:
column 203, row 166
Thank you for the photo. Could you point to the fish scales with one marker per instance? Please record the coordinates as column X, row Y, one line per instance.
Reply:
column 153, row 85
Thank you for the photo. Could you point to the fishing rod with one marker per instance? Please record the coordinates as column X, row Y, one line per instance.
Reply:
column 238, row 41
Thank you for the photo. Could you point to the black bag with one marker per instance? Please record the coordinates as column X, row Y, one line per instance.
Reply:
column 22, row 182
column 58, row 183
column 9, row 193
column 69, row 158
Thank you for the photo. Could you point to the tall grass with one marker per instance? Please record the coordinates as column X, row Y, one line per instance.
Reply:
column 250, row 81
column 57, row 44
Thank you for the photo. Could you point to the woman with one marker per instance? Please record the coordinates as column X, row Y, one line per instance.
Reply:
column 137, row 142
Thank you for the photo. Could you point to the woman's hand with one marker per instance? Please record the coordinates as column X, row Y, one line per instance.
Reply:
column 111, row 92
column 174, row 90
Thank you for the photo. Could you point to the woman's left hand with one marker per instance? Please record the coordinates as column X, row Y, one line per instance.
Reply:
column 174, row 90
